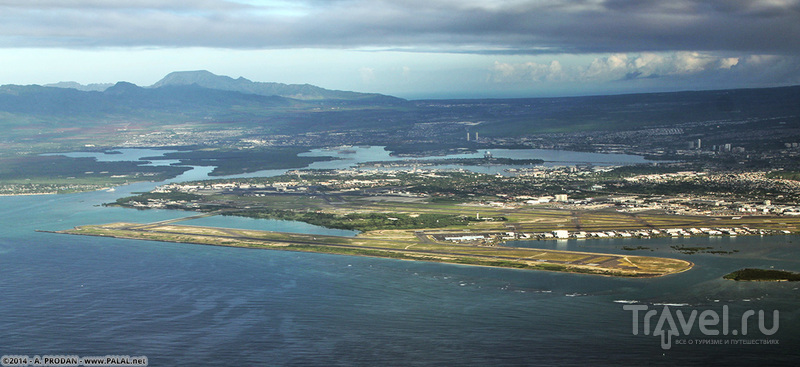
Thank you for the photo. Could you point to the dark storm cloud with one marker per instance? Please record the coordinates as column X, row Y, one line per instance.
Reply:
column 543, row 26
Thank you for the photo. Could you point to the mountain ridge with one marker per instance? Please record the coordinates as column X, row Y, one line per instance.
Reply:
column 92, row 87
column 128, row 99
column 207, row 79
column 37, row 113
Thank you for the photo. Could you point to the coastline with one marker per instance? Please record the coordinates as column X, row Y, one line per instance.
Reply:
column 63, row 193
column 37, row 193
column 613, row 265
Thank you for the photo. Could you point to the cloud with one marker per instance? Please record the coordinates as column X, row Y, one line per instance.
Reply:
column 470, row 26
column 621, row 66
column 367, row 75
column 529, row 71
column 566, row 44
column 47, row 5
column 650, row 65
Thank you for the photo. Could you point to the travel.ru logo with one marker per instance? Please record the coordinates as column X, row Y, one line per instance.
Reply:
column 708, row 322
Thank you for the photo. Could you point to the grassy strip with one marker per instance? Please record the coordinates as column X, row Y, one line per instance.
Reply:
column 359, row 221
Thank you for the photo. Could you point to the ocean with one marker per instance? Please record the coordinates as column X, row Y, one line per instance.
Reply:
column 192, row 305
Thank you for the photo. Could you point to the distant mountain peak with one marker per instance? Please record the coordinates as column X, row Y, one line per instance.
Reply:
column 207, row 79
column 94, row 87
column 203, row 78
column 122, row 88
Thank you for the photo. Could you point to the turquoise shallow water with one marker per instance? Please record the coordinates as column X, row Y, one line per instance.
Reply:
column 190, row 305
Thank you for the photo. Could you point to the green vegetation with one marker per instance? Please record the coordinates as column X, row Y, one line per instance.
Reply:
column 469, row 186
column 461, row 186
column 360, row 221
column 34, row 174
column 763, row 275
column 643, row 169
column 367, row 201
column 153, row 196
column 785, row 175
column 690, row 250
column 234, row 161
column 695, row 187
column 455, row 161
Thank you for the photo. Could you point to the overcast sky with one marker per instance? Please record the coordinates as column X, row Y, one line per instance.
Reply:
column 411, row 48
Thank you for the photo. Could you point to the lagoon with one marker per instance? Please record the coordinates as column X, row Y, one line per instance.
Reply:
column 351, row 156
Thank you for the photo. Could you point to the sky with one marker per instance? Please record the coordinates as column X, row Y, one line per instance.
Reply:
column 411, row 48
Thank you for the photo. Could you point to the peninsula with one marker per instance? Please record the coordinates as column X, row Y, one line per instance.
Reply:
column 404, row 245
column 457, row 217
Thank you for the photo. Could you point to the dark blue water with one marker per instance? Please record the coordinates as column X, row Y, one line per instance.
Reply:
column 191, row 305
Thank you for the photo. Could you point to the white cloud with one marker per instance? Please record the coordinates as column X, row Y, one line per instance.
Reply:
column 728, row 62
column 607, row 68
column 529, row 71
column 406, row 70
column 367, row 75
column 614, row 67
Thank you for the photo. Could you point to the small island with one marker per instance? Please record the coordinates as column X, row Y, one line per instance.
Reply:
column 763, row 275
